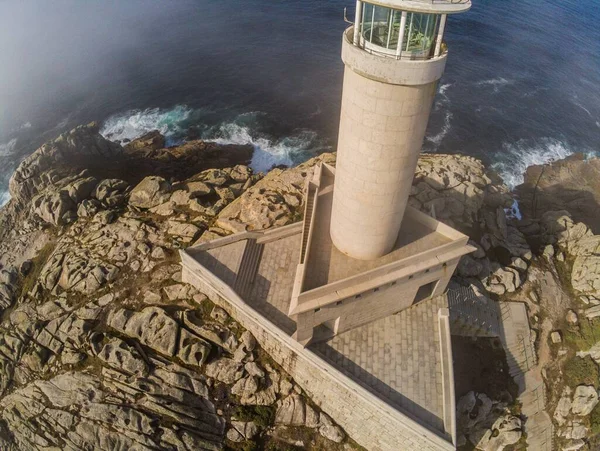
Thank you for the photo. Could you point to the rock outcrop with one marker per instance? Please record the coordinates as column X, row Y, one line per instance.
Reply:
column 558, row 231
column 101, row 345
column 276, row 200
column 572, row 184
column 487, row 424
column 83, row 145
column 150, row 192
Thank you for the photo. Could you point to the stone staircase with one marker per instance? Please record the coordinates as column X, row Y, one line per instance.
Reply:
column 516, row 338
column 310, row 203
column 248, row 267
column 473, row 315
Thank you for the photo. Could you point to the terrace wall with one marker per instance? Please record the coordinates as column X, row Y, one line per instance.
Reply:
column 368, row 420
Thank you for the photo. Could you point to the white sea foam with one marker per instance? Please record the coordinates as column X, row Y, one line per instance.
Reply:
column 270, row 152
column 4, row 198
column 444, row 88
column 442, row 103
column 136, row 123
column 173, row 124
column 514, row 211
column 517, row 157
column 7, row 149
column 437, row 138
column 495, row 83
column 23, row 126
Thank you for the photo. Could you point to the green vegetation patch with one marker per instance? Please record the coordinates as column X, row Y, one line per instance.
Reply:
column 263, row 416
column 281, row 446
column 579, row 371
column 583, row 336
column 248, row 445
column 595, row 420
column 38, row 263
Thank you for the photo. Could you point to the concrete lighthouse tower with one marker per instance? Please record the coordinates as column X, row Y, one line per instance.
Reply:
column 360, row 254
column 394, row 56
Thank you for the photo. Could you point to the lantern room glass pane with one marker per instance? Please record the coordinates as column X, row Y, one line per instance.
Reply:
column 380, row 31
column 419, row 35
column 381, row 26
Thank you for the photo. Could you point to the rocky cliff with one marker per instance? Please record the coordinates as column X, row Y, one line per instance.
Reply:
column 572, row 184
column 103, row 347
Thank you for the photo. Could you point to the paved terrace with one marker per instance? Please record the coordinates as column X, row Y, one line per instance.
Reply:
column 326, row 264
column 396, row 358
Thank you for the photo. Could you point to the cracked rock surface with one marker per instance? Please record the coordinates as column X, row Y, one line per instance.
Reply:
column 102, row 347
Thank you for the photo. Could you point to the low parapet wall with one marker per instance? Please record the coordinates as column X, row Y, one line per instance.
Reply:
column 368, row 420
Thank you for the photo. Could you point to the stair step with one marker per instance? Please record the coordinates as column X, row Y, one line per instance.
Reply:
column 307, row 214
column 248, row 267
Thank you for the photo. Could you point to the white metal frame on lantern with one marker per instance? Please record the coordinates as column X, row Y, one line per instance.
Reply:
column 408, row 11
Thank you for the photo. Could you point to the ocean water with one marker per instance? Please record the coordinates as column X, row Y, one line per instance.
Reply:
column 522, row 84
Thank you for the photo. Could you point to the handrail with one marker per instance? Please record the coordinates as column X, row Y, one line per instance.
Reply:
column 255, row 234
column 448, row 394
column 312, row 221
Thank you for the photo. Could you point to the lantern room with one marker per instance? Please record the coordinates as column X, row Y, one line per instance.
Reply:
column 404, row 29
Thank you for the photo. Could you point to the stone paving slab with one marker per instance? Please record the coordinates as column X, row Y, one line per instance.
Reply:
column 398, row 358
column 271, row 292
column 224, row 261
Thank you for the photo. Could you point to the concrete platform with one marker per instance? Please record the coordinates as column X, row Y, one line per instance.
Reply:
column 398, row 358
column 341, row 293
column 326, row 264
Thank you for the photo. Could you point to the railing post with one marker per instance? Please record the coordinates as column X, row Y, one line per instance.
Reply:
column 357, row 23
column 440, row 35
column 401, row 35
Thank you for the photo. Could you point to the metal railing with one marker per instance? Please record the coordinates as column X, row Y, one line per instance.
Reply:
column 406, row 55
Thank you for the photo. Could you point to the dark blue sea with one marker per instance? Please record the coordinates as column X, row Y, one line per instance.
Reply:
column 522, row 85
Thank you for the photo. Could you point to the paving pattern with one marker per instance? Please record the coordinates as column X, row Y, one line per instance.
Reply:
column 223, row 261
column 527, row 373
column 397, row 358
column 271, row 292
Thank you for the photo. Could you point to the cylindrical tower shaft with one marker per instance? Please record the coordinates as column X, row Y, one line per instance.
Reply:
column 381, row 133
column 389, row 85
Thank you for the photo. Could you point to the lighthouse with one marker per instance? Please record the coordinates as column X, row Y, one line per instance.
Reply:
column 361, row 253
column 394, row 55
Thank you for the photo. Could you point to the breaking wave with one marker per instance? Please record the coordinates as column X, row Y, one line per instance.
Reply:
column 131, row 125
column 438, row 137
column 517, row 157
column 7, row 149
column 444, row 88
column 442, row 103
column 4, row 198
column 177, row 123
column 268, row 151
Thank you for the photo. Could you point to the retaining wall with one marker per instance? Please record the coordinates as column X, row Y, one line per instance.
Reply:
column 368, row 420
